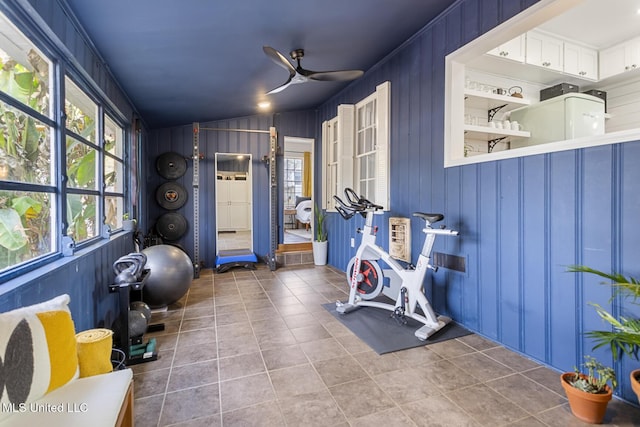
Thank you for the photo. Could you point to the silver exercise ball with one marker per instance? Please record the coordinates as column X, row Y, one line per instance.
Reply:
column 170, row 275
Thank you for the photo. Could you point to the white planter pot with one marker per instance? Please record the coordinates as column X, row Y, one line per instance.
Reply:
column 320, row 252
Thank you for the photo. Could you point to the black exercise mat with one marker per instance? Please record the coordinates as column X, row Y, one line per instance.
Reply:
column 383, row 334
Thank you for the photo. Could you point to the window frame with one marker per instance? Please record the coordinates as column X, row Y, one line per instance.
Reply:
column 58, row 191
column 381, row 98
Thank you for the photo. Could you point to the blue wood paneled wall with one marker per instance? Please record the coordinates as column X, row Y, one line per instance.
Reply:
column 180, row 140
column 85, row 277
column 521, row 221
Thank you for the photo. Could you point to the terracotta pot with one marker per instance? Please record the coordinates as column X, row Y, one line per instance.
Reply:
column 588, row 407
column 635, row 382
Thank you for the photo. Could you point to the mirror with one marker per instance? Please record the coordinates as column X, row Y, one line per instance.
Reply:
column 234, row 218
column 298, row 185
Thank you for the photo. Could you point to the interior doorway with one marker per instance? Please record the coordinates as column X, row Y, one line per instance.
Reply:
column 297, row 198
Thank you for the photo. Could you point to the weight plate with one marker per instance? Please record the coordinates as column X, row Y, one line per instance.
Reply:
column 171, row 226
column 171, row 165
column 171, row 195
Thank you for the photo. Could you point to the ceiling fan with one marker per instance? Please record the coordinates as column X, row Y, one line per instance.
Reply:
column 300, row 75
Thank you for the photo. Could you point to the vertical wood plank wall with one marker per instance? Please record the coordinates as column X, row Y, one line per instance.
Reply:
column 521, row 221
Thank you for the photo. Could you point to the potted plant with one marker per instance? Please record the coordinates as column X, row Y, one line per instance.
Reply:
column 624, row 338
column 319, row 243
column 128, row 224
column 589, row 393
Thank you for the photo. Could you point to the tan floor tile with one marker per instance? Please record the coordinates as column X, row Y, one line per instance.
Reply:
column 390, row 417
column 185, row 405
column 194, row 375
column 486, row 406
column 526, row 393
column 339, row 370
column 438, row 411
column 147, row 410
column 150, row 383
column 345, row 395
column 375, row 364
column 310, row 333
column 407, row 385
column 481, row 367
column 284, row 357
column 261, row 415
column 195, row 353
column 296, row 380
column 312, row 410
column 240, row 366
column 246, row 391
column 323, row 349
column 513, row 360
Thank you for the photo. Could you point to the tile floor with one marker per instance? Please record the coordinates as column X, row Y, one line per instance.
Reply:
column 257, row 349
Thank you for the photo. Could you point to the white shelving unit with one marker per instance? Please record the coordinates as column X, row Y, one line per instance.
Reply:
column 492, row 103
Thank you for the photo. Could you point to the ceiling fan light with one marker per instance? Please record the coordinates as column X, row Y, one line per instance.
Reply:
column 263, row 105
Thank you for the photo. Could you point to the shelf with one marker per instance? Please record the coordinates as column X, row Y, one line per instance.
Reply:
column 488, row 101
column 485, row 133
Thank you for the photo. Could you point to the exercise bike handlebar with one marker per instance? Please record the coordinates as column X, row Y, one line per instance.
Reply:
column 345, row 211
column 359, row 203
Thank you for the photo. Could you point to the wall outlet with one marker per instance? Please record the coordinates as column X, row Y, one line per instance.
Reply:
column 353, row 242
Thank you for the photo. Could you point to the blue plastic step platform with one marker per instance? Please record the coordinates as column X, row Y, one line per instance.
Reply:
column 228, row 259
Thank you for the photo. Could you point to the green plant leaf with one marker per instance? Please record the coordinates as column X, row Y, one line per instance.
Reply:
column 24, row 204
column 12, row 234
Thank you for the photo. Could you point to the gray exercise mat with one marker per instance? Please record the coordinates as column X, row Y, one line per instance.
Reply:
column 383, row 334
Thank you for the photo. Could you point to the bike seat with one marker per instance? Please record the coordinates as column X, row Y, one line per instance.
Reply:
column 429, row 217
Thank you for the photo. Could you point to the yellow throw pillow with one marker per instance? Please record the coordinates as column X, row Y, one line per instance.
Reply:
column 37, row 350
column 94, row 352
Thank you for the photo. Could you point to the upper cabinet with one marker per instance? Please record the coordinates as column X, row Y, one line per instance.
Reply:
column 620, row 58
column 580, row 61
column 544, row 51
column 513, row 49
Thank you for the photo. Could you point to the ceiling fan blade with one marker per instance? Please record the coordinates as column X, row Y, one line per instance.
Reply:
column 279, row 59
column 281, row 87
column 334, row 76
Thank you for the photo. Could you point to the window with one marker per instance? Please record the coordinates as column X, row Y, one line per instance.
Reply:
column 292, row 180
column 356, row 149
column 33, row 139
column 113, row 172
column 372, row 146
column 338, row 144
column 82, row 164
column 27, row 153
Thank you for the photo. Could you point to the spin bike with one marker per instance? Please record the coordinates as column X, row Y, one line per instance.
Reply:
column 366, row 279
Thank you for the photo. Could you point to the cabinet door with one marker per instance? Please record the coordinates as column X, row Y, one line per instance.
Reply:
column 513, row 49
column 612, row 61
column 544, row 51
column 580, row 61
column 632, row 55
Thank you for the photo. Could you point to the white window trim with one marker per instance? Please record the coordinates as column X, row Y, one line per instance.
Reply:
column 382, row 95
column 347, row 167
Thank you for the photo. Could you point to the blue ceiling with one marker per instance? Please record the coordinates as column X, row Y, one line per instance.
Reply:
column 201, row 60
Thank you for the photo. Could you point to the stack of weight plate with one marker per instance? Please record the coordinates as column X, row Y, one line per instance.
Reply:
column 171, row 195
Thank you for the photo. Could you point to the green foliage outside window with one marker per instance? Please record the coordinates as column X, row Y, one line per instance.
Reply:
column 25, row 156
